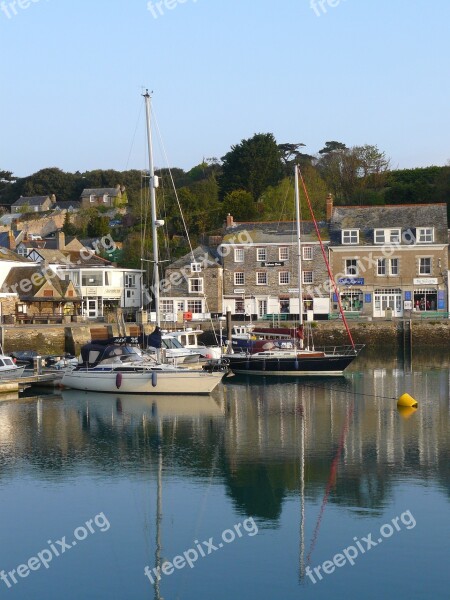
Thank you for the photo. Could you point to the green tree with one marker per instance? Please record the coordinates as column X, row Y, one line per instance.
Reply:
column 240, row 204
column 68, row 227
column 252, row 165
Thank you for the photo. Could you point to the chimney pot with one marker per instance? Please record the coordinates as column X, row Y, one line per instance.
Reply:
column 230, row 221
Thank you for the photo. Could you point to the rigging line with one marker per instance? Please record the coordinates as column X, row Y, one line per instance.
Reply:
column 173, row 182
column 141, row 107
column 330, row 274
column 331, row 479
column 334, row 389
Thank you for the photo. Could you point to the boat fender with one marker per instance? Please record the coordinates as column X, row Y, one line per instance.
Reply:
column 407, row 400
column 118, row 380
column 154, row 379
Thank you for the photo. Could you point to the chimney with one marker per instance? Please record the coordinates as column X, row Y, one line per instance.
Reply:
column 60, row 240
column 53, row 198
column 11, row 241
column 230, row 221
column 329, row 206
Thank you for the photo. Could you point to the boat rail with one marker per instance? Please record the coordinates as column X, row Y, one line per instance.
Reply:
column 340, row 350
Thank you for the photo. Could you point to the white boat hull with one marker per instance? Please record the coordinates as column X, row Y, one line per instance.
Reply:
column 11, row 373
column 147, row 382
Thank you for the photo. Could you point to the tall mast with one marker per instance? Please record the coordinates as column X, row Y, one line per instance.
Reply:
column 153, row 184
column 299, row 247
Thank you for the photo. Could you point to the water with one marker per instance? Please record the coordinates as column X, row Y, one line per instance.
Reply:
column 291, row 474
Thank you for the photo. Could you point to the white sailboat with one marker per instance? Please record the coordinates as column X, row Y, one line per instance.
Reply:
column 113, row 367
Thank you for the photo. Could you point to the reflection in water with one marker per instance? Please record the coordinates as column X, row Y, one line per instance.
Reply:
column 320, row 444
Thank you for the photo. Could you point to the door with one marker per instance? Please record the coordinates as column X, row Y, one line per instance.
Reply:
column 386, row 299
column 90, row 308
column 262, row 308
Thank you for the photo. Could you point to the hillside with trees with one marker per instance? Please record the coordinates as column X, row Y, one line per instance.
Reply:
column 253, row 181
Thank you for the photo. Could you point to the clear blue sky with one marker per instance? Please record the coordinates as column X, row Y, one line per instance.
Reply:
column 364, row 71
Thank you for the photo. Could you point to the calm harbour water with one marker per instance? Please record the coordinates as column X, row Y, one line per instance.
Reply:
column 312, row 466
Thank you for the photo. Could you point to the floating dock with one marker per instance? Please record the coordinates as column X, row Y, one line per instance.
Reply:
column 20, row 383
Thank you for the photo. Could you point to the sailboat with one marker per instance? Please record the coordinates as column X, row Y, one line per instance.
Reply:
column 297, row 361
column 115, row 366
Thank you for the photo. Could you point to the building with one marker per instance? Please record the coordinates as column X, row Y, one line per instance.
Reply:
column 192, row 285
column 260, row 263
column 33, row 204
column 108, row 197
column 390, row 260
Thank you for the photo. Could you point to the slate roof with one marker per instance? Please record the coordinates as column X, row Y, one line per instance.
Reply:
column 67, row 204
column 72, row 258
column 404, row 216
column 275, row 232
column 31, row 200
column 100, row 192
column 211, row 254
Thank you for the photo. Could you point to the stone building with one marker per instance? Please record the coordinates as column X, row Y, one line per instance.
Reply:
column 261, row 269
column 390, row 260
column 192, row 285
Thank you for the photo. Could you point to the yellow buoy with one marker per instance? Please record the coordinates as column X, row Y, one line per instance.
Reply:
column 406, row 411
column 407, row 400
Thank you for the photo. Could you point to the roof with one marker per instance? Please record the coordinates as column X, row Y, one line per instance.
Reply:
column 274, row 232
column 66, row 204
column 100, row 192
column 19, row 280
column 404, row 216
column 202, row 254
column 10, row 255
column 31, row 200
column 72, row 258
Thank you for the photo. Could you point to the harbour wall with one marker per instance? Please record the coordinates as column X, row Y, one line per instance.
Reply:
column 376, row 335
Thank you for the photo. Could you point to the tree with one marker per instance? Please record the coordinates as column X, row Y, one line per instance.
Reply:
column 252, row 165
column 240, row 204
column 68, row 227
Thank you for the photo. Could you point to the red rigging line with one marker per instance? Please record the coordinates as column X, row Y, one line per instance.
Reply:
column 336, row 291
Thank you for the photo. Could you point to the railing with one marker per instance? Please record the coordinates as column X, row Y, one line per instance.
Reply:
column 433, row 314
column 340, row 350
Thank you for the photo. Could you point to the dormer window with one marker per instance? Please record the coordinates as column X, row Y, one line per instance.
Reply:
column 425, row 235
column 350, row 236
column 196, row 267
column 387, row 236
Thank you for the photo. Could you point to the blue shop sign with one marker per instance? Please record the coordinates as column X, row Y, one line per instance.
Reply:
column 408, row 296
column 351, row 281
column 367, row 298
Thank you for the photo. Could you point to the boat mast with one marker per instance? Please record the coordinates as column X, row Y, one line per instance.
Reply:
column 299, row 251
column 153, row 184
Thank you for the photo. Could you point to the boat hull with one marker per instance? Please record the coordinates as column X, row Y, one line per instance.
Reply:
column 11, row 373
column 290, row 366
column 148, row 382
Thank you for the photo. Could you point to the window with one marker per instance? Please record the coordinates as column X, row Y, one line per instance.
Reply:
column 239, row 255
column 307, row 276
column 48, row 293
column 196, row 286
column 283, row 253
column 194, row 306
column 381, row 266
column 130, row 293
column 239, row 306
column 91, row 279
column 425, row 235
column 166, row 306
column 387, row 236
column 91, row 198
column 283, row 277
column 351, row 267
column 425, row 266
column 196, row 267
column 130, row 281
column 261, row 278
column 307, row 252
column 75, row 277
column 239, row 278
column 261, row 254
column 105, row 198
column 393, row 266
column 350, row 236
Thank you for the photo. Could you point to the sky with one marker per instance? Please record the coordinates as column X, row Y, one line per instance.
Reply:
column 309, row 71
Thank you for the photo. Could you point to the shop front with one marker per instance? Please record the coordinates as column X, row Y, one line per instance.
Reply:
column 387, row 301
